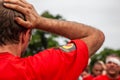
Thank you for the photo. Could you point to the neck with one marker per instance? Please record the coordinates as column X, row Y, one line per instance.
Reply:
column 13, row 49
column 114, row 77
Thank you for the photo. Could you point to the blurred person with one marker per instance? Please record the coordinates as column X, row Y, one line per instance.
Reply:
column 86, row 74
column 17, row 19
column 98, row 68
column 112, row 68
column 86, row 71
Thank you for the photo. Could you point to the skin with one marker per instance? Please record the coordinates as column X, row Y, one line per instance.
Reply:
column 85, row 74
column 97, row 69
column 112, row 70
column 93, row 38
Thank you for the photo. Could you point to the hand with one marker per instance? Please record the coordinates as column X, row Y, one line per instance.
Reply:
column 32, row 17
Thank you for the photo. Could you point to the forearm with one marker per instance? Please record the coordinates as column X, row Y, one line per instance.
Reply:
column 71, row 30
column 92, row 37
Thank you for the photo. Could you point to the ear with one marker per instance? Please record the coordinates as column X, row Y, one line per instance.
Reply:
column 25, row 37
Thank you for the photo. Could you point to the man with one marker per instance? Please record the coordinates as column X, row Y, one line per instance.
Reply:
column 63, row 63
column 112, row 68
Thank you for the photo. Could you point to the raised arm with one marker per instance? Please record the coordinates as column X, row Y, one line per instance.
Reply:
column 94, row 38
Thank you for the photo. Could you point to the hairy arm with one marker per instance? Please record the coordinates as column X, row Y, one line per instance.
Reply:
column 93, row 37
column 73, row 30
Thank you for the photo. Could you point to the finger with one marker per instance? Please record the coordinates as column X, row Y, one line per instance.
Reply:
column 17, row 8
column 23, row 23
column 18, row 2
column 24, row 1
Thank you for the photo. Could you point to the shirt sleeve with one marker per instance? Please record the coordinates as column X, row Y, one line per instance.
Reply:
column 58, row 63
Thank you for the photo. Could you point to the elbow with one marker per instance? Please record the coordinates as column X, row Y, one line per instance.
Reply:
column 101, row 37
column 98, row 41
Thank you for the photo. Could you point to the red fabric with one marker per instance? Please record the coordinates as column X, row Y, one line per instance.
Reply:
column 51, row 64
column 90, row 77
column 104, row 77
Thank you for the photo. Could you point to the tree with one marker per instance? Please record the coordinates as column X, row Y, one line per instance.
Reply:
column 42, row 40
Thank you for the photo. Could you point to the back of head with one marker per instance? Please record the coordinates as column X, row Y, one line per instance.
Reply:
column 9, row 29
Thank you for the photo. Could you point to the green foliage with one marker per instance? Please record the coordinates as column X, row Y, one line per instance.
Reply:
column 48, row 15
column 42, row 40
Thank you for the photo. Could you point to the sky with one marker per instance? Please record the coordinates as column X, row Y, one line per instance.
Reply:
column 101, row 14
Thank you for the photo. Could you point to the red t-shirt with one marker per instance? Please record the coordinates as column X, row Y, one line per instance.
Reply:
column 90, row 77
column 104, row 77
column 50, row 64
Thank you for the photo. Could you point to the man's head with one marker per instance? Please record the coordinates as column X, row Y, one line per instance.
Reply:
column 86, row 72
column 112, row 65
column 9, row 30
column 97, row 68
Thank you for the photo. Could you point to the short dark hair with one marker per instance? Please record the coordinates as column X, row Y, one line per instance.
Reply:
column 9, row 29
